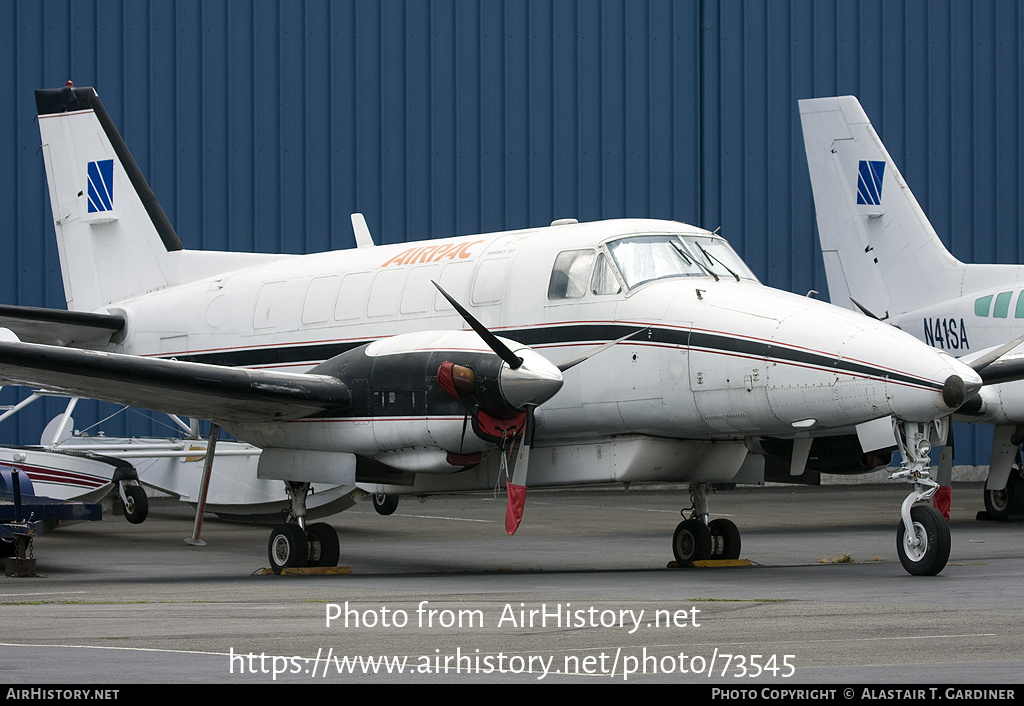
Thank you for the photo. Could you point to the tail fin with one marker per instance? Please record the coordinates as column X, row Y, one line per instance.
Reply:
column 879, row 247
column 114, row 239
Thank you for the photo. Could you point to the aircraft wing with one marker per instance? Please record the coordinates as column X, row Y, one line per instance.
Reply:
column 59, row 327
column 192, row 389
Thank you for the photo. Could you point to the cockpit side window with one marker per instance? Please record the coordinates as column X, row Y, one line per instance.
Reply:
column 570, row 275
column 604, row 281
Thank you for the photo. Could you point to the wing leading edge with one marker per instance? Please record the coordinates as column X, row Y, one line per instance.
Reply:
column 196, row 390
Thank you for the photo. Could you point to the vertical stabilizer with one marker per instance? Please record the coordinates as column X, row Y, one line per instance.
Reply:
column 880, row 250
column 114, row 239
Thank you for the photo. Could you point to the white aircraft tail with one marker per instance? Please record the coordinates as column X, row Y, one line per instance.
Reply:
column 113, row 238
column 880, row 250
column 112, row 235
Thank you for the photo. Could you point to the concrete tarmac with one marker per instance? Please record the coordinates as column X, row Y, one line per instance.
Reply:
column 581, row 594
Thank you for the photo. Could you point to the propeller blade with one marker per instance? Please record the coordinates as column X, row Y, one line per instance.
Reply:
column 995, row 354
column 499, row 348
column 594, row 351
column 516, row 488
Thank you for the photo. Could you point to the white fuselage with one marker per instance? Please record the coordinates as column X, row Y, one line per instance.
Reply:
column 717, row 360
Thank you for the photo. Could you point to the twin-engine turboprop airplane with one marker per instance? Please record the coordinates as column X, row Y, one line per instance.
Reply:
column 883, row 256
column 615, row 351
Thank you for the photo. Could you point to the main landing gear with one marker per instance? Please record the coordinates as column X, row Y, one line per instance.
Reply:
column 922, row 539
column 136, row 504
column 295, row 543
column 696, row 539
column 385, row 504
column 1001, row 504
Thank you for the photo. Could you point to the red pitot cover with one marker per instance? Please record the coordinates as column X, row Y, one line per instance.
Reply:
column 514, row 511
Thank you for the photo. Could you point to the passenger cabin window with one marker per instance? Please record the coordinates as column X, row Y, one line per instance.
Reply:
column 983, row 305
column 1002, row 306
column 385, row 293
column 321, row 295
column 269, row 303
column 352, row 296
column 455, row 279
column 419, row 291
column 489, row 286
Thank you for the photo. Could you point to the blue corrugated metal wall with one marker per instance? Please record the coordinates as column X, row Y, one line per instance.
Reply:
column 261, row 125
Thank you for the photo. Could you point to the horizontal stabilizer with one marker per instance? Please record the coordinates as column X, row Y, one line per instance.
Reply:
column 197, row 390
column 59, row 327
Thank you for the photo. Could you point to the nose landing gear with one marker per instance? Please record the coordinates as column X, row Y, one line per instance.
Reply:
column 922, row 539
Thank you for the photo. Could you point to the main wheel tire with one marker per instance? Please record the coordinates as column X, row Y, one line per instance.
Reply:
column 691, row 541
column 725, row 539
column 324, row 548
column 385, row 504
column 288, row 548
column 930, row 556
column 137, row 508
column 1015, row 492
column 997, row 503
column 1000, row 504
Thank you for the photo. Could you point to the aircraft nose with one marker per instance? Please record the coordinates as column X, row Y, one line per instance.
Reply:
column 954, row 392
column 957, row 390
column 922, row 383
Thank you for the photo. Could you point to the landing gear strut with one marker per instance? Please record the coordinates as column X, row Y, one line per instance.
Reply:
column 696, row 539
column 293, row 544
column 922, row 539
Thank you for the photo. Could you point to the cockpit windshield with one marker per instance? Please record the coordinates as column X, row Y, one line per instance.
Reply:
column 648, row 257
column 717, row 255
column 644, row 258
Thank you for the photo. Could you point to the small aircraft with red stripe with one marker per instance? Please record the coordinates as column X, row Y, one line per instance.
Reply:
column 616, row 351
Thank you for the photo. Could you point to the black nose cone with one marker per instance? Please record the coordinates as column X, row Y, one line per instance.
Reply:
column 954, row 392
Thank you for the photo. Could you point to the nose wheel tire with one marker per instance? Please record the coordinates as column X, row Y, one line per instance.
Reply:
column 288, row 548
column 725, row 539
column 691, row 541
column 929, row 556
column 137, row 507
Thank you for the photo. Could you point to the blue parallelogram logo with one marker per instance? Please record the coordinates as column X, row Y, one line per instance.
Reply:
column 869, row 182
column 101, row 186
